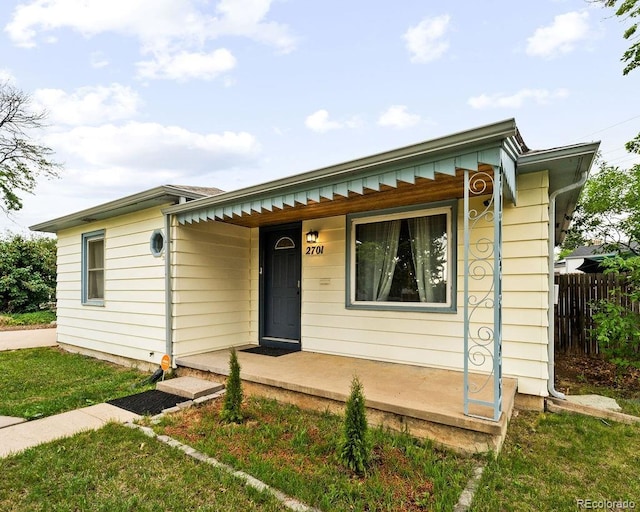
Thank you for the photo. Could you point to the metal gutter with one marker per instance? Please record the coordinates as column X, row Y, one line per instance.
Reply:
column 551, row 385
column 168, row 290
column 448, row 144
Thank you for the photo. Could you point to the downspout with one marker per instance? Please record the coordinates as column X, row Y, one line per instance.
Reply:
column 551, row 385
column 168, row 295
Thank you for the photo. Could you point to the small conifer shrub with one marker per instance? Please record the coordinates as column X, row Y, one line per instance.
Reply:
column 232, row 408
column 354, row 450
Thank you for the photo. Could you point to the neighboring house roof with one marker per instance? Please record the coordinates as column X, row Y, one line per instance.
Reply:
column 146, row 199
column 587, row 250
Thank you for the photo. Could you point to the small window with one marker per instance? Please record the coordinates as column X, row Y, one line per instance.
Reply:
column 93, row 268
column 157, row 243
column 285, row 243
column 402, row 260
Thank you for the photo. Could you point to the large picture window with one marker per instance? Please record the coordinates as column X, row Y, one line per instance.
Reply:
column 93, row 268
column 402, row 259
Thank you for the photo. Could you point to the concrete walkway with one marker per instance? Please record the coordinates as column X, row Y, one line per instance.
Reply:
column 16, row 438
column 27, row 338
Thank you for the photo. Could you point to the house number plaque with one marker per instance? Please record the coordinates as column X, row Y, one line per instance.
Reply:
column 315, row 249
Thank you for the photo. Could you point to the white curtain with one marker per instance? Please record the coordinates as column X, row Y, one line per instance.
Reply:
column 377, row 251
column 423, row 231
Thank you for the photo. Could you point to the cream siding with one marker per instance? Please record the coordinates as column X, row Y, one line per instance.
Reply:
column 211, row 279
column 436, row 339
column 131, row 321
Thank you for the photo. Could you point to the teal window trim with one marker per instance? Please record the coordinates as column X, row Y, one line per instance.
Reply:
column 86, row 239
column 451, row 208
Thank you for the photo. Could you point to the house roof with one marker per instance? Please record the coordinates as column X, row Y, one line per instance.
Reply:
column 146, row 199
column 498, row 144
column 492, row 144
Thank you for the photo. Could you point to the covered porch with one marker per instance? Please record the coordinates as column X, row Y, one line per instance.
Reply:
column 425, row 402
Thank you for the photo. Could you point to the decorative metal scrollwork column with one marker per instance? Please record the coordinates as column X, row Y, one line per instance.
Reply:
column 483, row 270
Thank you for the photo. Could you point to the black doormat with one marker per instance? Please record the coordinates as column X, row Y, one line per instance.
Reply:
column 269, row 351
column 150, row 402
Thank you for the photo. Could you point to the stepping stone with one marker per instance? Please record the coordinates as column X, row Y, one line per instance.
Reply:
column 7, row 421
column 596, row 401
column 189, row 387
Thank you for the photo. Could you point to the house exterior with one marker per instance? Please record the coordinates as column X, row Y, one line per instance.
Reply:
column 591, row 254
column 438, row 254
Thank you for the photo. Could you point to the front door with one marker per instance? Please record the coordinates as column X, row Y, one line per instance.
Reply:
column 280, row 293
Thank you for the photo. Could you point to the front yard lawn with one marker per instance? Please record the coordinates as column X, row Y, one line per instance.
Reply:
column 549, row 461
column 295, row 452
column 44, row 381
column 120, row 469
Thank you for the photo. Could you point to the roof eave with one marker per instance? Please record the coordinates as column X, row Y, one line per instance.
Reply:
column 448, row 144
column 141, row 200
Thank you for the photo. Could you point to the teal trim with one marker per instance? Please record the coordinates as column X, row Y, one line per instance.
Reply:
column 406, row 306
column 359, row 179
column 84, row 262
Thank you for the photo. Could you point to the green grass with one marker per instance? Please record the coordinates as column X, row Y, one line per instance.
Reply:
column 550, row 460
column 296, row 451
column 120, row 469
column 628, row 401
column 44, row 381
column 35, row 318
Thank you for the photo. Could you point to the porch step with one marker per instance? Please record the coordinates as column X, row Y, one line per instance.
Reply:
column 189, row 387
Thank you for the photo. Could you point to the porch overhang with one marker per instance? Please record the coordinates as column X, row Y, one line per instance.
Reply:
column 425, row 172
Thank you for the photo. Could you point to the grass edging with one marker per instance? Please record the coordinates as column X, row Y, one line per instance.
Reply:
column 249, row 480
column 466, row 497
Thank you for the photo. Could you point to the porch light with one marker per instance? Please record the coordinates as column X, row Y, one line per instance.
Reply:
column 312, row 237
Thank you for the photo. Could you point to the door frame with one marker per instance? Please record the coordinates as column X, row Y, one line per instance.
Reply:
column 265, row 230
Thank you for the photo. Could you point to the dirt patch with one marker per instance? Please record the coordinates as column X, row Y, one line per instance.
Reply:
column 575, row 371
column 25, row 327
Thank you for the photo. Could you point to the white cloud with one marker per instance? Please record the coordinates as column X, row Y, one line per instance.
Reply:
column 396, row 116
column 88, row 105
column 98, row 60
column 152, row 147
column 559, row 37
column 538, row 96
column 185, row 66
column 319, row 122
column 426, row 40
column 175, row 33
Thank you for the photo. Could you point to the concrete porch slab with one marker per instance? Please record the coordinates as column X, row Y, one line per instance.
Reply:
column 426, row 401
column 189, row 387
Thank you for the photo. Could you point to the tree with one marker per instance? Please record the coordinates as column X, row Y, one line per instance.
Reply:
column 232, row 408
column 628, row 10
column 608, row 210
column 27, row 273
column 355, row 451
column 22, row 161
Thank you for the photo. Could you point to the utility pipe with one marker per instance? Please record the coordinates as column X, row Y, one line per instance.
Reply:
column 551, row 385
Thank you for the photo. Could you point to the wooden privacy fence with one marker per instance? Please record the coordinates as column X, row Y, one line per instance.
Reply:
column 573, row 321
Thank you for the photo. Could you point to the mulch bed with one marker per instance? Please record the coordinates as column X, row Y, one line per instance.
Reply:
column 577, row 370
column 148, row 402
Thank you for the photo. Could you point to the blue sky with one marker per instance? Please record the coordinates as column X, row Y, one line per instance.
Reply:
column 232, row 93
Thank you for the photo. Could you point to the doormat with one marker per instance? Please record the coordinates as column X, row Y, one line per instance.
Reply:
column 269, row 351
column 150, row 402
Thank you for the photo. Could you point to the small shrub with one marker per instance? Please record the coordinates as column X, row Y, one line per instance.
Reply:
column 232, row 408
column 617, row 328
column 355, row 451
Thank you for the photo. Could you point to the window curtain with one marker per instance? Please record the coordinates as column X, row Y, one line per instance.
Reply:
column 376, row 258
column 423, row 232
